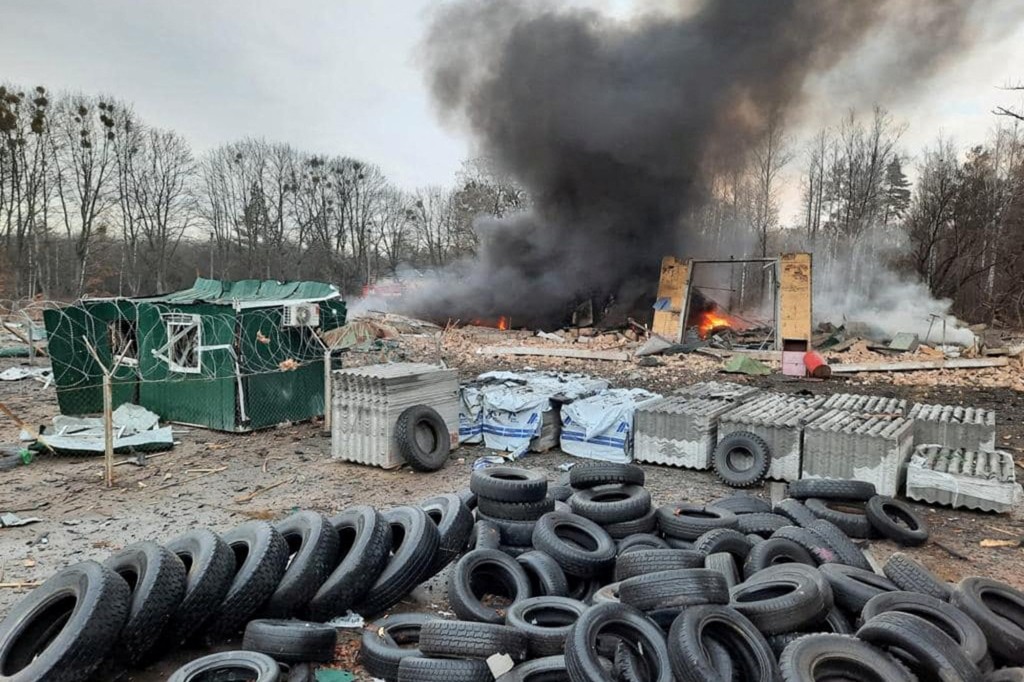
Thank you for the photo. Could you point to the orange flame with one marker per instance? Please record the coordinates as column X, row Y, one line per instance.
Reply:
column 501, row 323
column 712, row 320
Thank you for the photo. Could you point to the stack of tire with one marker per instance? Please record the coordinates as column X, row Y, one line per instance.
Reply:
column 509, row 499
column 147, row 600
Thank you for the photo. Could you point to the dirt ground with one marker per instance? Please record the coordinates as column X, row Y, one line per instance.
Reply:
column 214, row 479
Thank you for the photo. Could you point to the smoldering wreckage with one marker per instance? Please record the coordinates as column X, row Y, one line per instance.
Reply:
column 577, row 574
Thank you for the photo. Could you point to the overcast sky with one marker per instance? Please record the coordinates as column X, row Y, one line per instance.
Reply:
column 341, row 76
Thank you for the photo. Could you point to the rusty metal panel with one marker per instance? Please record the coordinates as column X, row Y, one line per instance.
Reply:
column 794, row 318
column 672, row 298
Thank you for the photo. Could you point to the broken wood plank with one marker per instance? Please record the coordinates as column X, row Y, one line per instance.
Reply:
column 917, row 365
column 555, row 353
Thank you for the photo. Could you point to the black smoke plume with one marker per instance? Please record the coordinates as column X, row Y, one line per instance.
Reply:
column 616, row 128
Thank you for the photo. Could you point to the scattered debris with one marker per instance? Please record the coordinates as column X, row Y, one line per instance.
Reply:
column 915, row 365
column 11, row 520
column 41, row 374
column 744, row 364
column 136, row 429
column 555, row 352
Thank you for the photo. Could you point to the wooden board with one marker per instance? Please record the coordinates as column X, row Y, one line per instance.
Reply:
column 916, row 365
column 672, row 286
column 554, row 352
column 795, row 298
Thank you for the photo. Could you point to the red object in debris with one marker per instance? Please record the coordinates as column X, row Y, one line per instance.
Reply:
column 816, row 365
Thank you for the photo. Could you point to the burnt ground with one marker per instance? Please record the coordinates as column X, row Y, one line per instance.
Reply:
column 209, row 479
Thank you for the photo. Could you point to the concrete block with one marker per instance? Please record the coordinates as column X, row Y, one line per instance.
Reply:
column 863, row 447
column 779, row 419
column 367, row 401
column 954, row 426
column 678, row 431
column 963, row 478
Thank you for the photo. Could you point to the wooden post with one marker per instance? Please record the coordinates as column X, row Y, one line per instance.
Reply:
column 327, row 391
column 108, row 427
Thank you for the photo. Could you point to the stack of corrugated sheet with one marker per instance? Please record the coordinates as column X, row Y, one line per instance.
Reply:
column 367, row 401
column 860, row 446
column 779, row 419
column 679, row 431
column 720, row 390
column 954, row 426
column 963, row 478
column 866, row 404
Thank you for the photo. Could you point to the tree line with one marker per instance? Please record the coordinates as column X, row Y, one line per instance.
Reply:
column 93, row 199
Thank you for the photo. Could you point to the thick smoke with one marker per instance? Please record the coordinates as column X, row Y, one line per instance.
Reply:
column 616, row 129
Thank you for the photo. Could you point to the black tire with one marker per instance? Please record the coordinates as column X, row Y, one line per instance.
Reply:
column 414, row 542
column 741, row 459
column 485, row 572
column 614, row 503
column 509, row 484
column 897, row 521
column 813, row 543
column 454, row 524
column 560, row 493
column 639, row 526
column 589, row 474
column 516, row 533
column 291, row 641
column 513, row 551
column 1005, row 675
column 674, row 589
column 998, row 609
column 298, row 672
column 261, row 557
column 755, row 539
column 157, row 581
column 644, row 561
column 832, row 489
column 468, row 498
column 911, row 576
column 753, row 660
column 468, row 639
column 780, row 601
column 629, row 626
column 422, row 438
column 742, row 503
column 546, row 622
column 800, row 572
column 313, row 545
column 690, row 521
column 229, row 665
column 641, row 541
column 847, row 516
column 580, row 546
column 63, row 629
column 485, row 535
column 957, row 625
column 547, row 579
column 422, row 669
column 761, row 524
column 386, row 642
column 724, row 563
column 583, row 589
column 676, row 543
column 547, row 669
column 773, row 552
column 209, row 569
column 923, row 647
column 364, row 547
column 724, row 540
column 846, row 551
column 608, row 593
column 516, row 511
column 796, row 511
column 628, row 667
column 853, row 587
column 835, row 623
column 841, row 657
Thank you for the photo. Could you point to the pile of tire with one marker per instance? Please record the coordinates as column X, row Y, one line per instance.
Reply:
column 149, row 599
column 735, row 589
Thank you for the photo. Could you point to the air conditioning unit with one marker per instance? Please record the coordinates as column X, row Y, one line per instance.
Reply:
column 301, row 315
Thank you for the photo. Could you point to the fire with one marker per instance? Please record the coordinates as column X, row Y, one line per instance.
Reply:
column 712, row 320
column 503, row 323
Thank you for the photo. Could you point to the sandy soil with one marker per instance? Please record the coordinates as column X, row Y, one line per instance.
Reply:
column 204, row 481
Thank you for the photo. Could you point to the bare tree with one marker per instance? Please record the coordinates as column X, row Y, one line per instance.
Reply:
column 769, row 158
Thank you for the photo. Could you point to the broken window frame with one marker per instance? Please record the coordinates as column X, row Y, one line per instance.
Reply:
column 179, row 328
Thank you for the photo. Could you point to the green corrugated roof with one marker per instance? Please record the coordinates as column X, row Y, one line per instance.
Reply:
column 248, row 293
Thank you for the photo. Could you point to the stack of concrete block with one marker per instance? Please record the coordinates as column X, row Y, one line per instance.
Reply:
column 367, row 401
column 864, row 447
column 963, row 478
column 678, row 431
column 720, row 390
column 866, row 404
column 954, row 426
column 779, row 419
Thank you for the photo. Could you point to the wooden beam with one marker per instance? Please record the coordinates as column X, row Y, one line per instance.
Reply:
column 555, row 353
column 918, row 365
